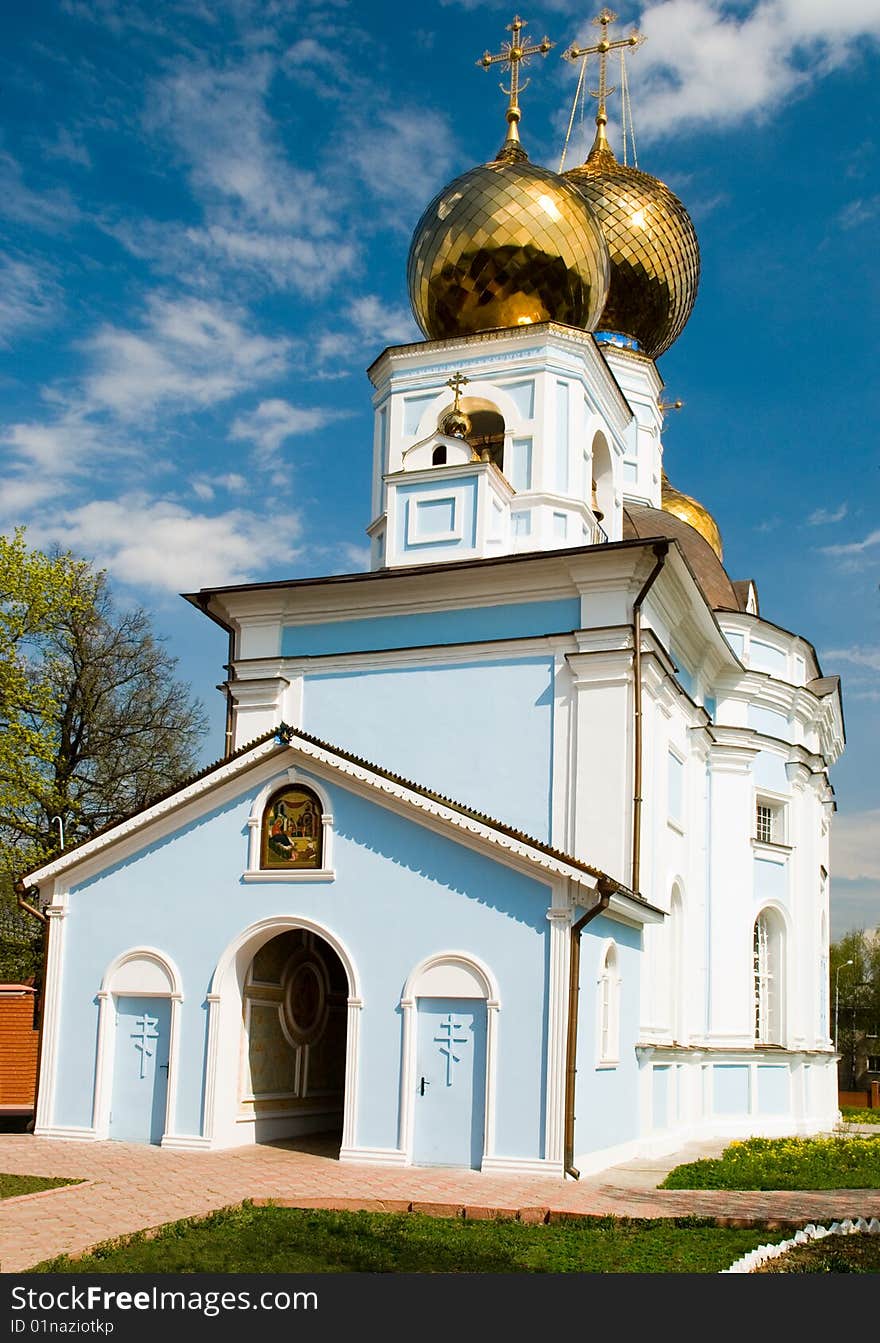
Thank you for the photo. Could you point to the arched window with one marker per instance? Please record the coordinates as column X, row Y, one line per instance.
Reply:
column 292, row 832
column 608, row 1043
column 768, row 943
column 438, row 456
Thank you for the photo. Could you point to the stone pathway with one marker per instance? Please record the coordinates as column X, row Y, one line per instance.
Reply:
column 131, row 1187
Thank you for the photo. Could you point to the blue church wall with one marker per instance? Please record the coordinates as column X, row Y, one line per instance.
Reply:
column 401, row 892
column 768, row 721
column 770, row 881
column 467, row 624
column 768, row 771
column 450, row 727
column 607, row 1098
column 731, row 1088
column 439, row 516
column 773, row 1090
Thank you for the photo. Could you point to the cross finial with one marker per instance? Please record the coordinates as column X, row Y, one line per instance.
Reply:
column 456, row 382
column 512, row 54
column 603, row 20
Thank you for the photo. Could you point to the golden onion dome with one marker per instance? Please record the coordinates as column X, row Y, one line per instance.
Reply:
column 507, row 244
column 655, row 256
column 690, row 511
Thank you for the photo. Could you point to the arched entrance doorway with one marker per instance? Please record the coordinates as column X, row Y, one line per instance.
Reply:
column 294, row 1011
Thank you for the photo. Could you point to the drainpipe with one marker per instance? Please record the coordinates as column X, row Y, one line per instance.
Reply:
column 40, row 998
column 230, row 673
column 574, row 977
column 661, row 550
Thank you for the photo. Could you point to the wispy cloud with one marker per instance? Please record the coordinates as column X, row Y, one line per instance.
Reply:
column 856, row 654
column 29, row 297
column 47, row 210
column 820, row 516
column 707, row 62
column 68, row 147
column 858, row 212
column 854, row 549
column 369, row 322
column 159, row 543
column 186, row 355
column 855, row 846
column 275, row 421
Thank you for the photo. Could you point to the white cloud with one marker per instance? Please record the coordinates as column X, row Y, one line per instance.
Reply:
column 158, row 543
column 855, row 846
column 45, row 210
column 820, row 516
column 858, row 656
column 854, row 549
column 710, row 62
column 68, row 147
column 29, row 297
column 371, row 323
column 403, row 155
column 190, row 353
column 276, row 420
column 858, row 212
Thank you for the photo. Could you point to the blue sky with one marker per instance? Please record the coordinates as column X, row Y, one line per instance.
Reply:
column 205, row 211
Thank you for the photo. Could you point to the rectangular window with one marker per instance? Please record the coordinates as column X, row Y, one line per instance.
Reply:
column 874, row 1063
column 768, row 822
column 520, row 473
column 560, row 526
column 521, row 523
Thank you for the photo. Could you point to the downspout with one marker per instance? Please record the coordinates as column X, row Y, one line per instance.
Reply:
column 661, row 550
column 39, row 1000
column 574, row 978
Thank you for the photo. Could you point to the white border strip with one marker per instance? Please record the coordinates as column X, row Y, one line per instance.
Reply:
column 749, row 1262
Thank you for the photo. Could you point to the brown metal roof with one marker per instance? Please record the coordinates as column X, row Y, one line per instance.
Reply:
column 641, row 521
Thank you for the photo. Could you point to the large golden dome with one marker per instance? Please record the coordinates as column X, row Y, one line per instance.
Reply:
column 655, row 257
column 691, row 511
column 507, row 244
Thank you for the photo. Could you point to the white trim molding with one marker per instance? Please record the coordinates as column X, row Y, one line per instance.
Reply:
column 289, row 777
column 44, row 1126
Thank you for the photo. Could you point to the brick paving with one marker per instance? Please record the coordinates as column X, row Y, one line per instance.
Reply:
column 131, row 1188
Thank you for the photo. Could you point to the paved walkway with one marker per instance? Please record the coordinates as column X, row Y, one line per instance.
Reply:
column 133, row 1187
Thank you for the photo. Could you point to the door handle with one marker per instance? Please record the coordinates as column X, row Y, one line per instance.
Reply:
column 422, row 1084
column 164, row 1065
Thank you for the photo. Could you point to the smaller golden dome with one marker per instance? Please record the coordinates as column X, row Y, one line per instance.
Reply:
column 455, row 423
column 655, row 256
column 692, row 512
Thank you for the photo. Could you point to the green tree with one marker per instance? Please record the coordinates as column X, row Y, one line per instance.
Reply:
column 855, row 1001
column 97, row 724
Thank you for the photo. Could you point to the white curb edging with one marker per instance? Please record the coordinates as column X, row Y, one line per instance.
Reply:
column 749, row 1262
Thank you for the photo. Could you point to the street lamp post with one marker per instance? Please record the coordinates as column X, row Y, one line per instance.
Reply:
column 837, row 997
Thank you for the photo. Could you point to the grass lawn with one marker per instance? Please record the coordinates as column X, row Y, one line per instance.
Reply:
column 852, row 1114
column 834, row 1254
column 785, row 1163
column 286, row 1240
column 13, row 1185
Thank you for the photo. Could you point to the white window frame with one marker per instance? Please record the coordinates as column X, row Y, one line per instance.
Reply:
column 768, row 977
column 777, row 804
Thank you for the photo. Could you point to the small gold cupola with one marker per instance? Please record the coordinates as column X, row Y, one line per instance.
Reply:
column 689, row 510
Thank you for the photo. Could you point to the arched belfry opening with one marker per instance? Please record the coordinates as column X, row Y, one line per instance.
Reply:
column 485, row 433
column 602, row 482
column 294, row 1025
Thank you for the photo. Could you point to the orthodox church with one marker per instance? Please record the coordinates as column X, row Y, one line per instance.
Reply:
column 517, row 854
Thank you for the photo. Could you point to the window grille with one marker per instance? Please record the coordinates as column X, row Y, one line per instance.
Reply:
column 765, row 823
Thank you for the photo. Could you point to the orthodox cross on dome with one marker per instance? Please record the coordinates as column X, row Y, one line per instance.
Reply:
column 601, row 49
column 512, row 54
column 456, row 382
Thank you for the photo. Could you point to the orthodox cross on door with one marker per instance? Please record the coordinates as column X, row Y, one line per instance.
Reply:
column 143, row 1035
column 447, row 1041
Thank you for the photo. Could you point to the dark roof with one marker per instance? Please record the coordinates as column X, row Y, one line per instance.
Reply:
column 286, row 735
column 641, row 521
column 203, row 596
column 741, row 587
column 824, row 685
